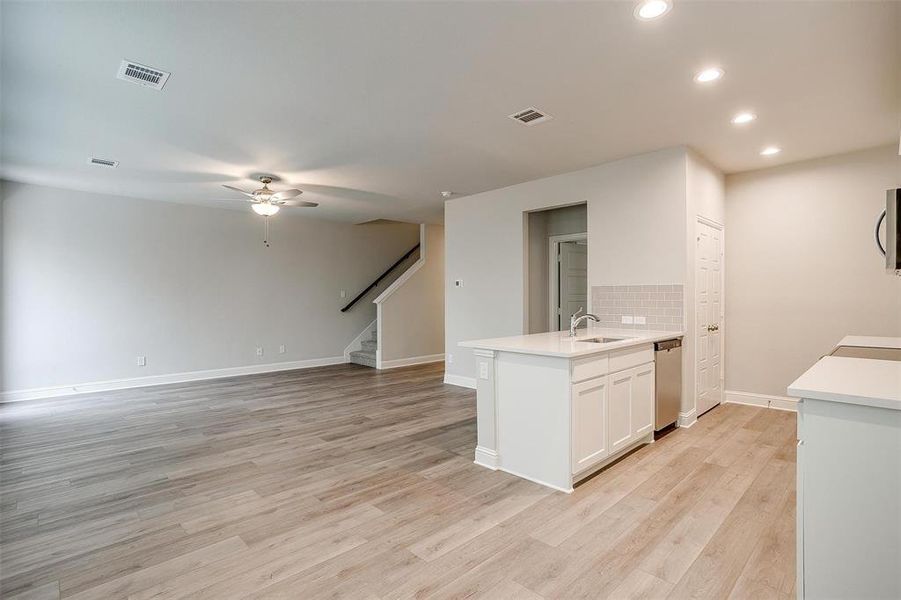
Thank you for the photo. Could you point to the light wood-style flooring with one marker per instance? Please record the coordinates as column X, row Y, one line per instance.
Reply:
column 345, row 482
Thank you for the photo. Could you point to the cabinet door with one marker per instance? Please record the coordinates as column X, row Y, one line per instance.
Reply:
column 589, row 404
column 619, row 425
column 642, row 400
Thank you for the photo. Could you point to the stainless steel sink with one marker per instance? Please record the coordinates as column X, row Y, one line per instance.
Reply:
column 605, row 340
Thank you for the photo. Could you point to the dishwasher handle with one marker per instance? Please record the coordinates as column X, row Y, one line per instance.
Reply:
column 667, row 345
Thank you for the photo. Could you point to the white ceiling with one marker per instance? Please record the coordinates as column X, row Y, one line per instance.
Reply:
column 374, row 108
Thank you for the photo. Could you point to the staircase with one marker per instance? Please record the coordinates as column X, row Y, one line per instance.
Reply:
column 366, row 355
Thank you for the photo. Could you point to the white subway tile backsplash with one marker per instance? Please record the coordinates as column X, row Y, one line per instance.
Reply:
column 661, row 305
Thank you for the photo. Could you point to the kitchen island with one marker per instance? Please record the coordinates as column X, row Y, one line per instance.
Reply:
column 849, row 471
column 554, row 409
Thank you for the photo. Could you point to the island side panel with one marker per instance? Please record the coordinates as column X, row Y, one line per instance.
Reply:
column 850, row 478
column 486, row 409
column 533, row 418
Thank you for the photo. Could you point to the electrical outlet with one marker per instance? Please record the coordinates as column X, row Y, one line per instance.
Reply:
column 142, row 361
column 483, row 370
column 259, row 351
column 281, row 349
column 450, row 359
column 640, row 320
column 627, row 320
column 344, row 293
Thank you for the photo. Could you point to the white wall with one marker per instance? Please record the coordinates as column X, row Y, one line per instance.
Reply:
column 802, row 269
column 90, row 282
column 636, row 229
column 411, row 312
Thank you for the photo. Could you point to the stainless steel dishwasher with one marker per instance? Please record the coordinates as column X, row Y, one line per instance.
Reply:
column 668, row 358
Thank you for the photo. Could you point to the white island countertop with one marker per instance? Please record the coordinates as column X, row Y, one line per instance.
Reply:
column 868, row 341
column 559, row 344
column 862, row 381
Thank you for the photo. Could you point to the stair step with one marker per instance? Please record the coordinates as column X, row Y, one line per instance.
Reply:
column 370, row 345
column 362, row 357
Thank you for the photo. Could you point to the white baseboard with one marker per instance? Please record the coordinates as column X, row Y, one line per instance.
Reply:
column 486, row 458
column 138, row 382
column 467, row 382
column 414, row 360
column 687, row 419
column 764, row 400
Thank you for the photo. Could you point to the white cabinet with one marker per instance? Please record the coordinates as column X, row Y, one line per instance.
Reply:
column 619, row 424
column 848, row 500
column 589, row 406
column 643, row 399
column 611, row 413
column 631, row 414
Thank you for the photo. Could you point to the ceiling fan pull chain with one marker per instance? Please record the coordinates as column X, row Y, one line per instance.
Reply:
column 266, row 237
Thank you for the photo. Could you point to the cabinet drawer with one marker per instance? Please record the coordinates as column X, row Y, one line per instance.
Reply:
column 630, row 357
column 592, row 366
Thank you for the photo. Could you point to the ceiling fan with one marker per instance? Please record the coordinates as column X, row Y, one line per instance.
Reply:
column 266, row 202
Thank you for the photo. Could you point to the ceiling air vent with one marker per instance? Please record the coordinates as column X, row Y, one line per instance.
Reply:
column 142, row 75
column 102, row 162
column 531, row 116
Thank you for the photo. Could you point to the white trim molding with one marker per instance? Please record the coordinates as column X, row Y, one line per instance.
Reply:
column 139, row 382
column 413, row 360
column 486, row 458
column 554, row 271
column 764, row 400
column 357, row 343
column 687, row 419
column 388, row 292
column 406, row 275
column 460, row 380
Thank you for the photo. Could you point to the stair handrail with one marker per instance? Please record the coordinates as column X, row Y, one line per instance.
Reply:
column 380, row 277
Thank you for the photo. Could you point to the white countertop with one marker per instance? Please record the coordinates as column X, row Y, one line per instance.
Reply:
column 559, row 344
column 868, row 341
column 864, row 381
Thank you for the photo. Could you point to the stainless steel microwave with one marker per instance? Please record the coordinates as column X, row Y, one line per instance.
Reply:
column 892, row 218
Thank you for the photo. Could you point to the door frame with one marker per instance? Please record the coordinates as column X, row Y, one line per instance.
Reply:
column 553, row 271
column 701, row 220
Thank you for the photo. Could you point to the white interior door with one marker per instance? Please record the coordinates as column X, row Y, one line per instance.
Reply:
column 708, row 316
column 572, row 280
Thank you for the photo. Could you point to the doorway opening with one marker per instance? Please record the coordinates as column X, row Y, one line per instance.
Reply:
column 556, row 267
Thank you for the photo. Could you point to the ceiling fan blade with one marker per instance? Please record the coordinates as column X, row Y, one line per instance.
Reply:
column 240, row 191
column 285, row 194
column 300, row 203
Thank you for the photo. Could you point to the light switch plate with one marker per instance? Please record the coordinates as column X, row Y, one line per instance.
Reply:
column 483, row 370
column 142, row 361
column 627, row 320
column 458, row 283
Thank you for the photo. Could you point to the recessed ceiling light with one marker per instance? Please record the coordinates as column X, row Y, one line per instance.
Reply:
column 709, row 75
column 743, row 117
column 770, row 150
column 651, row 9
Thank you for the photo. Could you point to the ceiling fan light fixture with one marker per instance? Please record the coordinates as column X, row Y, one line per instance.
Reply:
column 264, row 209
